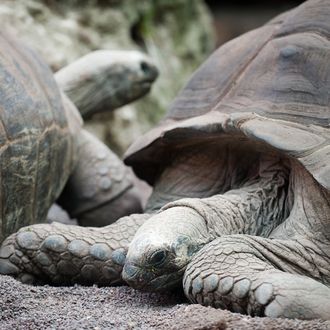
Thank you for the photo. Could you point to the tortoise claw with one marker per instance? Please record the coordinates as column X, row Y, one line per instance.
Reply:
column 15, row 257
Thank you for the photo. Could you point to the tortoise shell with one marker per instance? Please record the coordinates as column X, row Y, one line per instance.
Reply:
column 271, row 86
column 37, row 124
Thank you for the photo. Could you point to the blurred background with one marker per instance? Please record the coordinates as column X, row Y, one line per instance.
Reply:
column 231, row 18
column 177, row 34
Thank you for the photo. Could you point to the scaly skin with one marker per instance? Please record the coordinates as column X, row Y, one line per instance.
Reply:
column 286, row 276
column 260, row 277
column 100, row 189
column 65, row 254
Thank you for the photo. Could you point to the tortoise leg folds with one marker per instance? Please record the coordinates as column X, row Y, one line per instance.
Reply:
column 65, row 254
column 100, row 190
column 260, row 277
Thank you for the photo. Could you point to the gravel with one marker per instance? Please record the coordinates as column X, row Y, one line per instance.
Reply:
column 45, row 307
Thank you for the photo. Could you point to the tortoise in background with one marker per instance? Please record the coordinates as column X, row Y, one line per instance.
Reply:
column 240, row 167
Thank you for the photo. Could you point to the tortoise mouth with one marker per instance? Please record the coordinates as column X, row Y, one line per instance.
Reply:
column 150, row 280
column 146, row 85
column 141, row 88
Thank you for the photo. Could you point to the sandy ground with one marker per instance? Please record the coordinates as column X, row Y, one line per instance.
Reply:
column 45, row 307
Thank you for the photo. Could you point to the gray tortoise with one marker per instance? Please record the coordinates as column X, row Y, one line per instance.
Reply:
column 240, row 168
column 45, row 154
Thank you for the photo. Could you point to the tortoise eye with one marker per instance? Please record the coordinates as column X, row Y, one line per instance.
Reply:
column 158, row 258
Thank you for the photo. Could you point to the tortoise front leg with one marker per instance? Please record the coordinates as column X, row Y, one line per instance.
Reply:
column 286, row 276
column 65, row 254
column 260, row 277
column 101, row 188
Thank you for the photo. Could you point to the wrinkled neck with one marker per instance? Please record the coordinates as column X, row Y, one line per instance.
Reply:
column 202, row 171
column 255, row 208
column 310, row 209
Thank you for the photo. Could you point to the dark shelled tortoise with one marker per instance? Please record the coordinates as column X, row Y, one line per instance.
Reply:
column 240, row 167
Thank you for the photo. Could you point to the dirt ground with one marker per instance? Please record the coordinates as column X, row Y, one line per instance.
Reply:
column 45, row 307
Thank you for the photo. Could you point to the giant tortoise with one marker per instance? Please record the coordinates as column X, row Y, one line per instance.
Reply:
column 240, row 208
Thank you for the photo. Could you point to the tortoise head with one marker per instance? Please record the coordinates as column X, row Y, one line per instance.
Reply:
column 107, row 79
column 161, row 249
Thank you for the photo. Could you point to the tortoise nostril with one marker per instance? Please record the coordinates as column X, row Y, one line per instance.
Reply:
column 145, row 67
column 149, row 69
column 129, row 272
